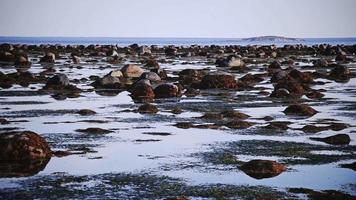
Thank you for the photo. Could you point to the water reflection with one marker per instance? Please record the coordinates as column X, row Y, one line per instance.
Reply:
column 22, row 168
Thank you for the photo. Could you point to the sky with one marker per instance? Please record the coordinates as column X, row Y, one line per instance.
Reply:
column 178, row 18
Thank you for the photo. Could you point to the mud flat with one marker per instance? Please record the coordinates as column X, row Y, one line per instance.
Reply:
column 177, row 122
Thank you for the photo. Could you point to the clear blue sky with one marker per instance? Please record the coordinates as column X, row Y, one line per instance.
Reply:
column 178, row 18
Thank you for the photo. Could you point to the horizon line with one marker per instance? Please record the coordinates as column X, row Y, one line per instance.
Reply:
column 165, row 37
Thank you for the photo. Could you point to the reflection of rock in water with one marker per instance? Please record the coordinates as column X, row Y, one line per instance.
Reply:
column 109, row 93
column 260, row 169
column 23, row 154
column 22, row 168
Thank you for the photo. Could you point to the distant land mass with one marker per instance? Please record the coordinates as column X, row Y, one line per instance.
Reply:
column 271, row 39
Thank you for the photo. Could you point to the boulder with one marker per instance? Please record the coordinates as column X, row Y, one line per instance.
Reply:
column 171, row 51
column 167, row 90
column 274, row 67
column 142, row 90
column 75, row 59
column 295, row 88
column 300, row 109
column 144, row 50
column 132, row 71
column 302, row 77
column 222, row 81
column 59, row 80
column 23, row 146
column 321, row 63
column 22, row 60
column 108, row 82
column 260, row 169
column 238, row 124
column 7, row 57
column 152, row 64
column 189, row 76
column 281, row 93
column 231, row 62
column 161, row 73
column 48, row 58
column 116, row 73
column 234, row 114
column 151, row 76
column 339, row 72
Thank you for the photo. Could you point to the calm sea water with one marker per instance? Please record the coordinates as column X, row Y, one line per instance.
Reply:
column 168, row 41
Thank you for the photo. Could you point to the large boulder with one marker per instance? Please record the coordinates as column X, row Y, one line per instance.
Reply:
column 222, row 81
column 167, row 90
column 260, row 169
column 23, row 146
column 300, row 109
column 131, row 71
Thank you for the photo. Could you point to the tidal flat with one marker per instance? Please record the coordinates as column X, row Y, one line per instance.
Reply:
column 177, row 122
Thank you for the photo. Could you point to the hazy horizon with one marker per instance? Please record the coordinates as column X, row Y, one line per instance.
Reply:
column 178, row 18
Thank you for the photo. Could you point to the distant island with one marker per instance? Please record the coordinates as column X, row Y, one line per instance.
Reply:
column 271, row 39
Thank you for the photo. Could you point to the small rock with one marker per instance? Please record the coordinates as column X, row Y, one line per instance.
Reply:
column 234, row 114
column 278, row 125
column 339, row 139
column 148, row 108
column 98, row 131
column 238, row 124
column 184, row 125
column 300, row 109
column 86, row 112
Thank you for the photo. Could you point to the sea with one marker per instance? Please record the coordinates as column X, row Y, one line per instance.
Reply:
column 125, row 41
